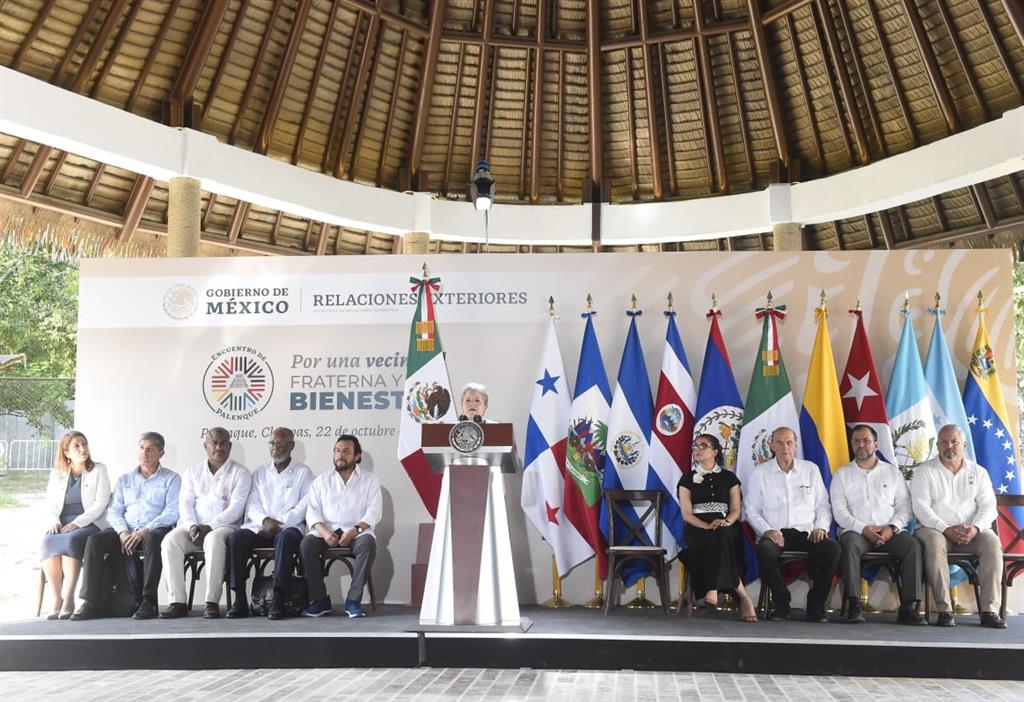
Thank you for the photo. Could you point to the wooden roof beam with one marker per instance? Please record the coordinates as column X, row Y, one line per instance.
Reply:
column 716, row 153
column 19, row 147
column 151, row 53
column 369, row 47
column 630, row 101
column 55, row 172
column 210, row 203
column 997, row 44
column 94, row 183
column 218, row 74
column 35, row 170
column 709, row 29
column 538, row 99
column 984, row 204
column 454, row 36
column 942, row 95
column 667, row 117
column 33, row 32
column 657, row 186
column 954, row 235
column 115, row 50
column 72, row 49
column 426, row 87
column 99, row 43
column 250, row 84
column 321, row 240
column 237, row 221
column 740, row 112
column 858, row 67
column 958, row 48
column 389, row 125
column 198, row 52
column 1015, row 12
column 455, row 112
column 388, row 17
column 135, row 207
column 560, row 121
column 768, row 80
column 283, row 75
column 340, row 102
column 317, row 74
column 594, row 92
column 835, row 51
column 823, row 50
column 275, row 233
column 805, row 92
column 891, row 71
column 371, row 80
column 785, row 9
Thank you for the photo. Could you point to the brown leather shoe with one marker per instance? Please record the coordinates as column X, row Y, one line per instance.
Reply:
column 175, row 610
column 211, row 611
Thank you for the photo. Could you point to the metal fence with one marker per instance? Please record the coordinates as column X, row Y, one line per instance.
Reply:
column 34, row 413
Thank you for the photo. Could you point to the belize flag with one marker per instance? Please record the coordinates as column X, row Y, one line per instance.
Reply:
column 629, row 437
column 990, row 428
column 586, row 445
column 719, row 407
column 672, row 433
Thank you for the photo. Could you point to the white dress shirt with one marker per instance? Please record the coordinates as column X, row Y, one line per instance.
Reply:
column 870, row 496
column 282, row 496
column 775, row 499
column 942, row 499
column 340, row 505
column 215, row 499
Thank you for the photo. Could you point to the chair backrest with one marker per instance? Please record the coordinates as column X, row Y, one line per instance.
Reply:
column 626, row 524
column 1007, row 522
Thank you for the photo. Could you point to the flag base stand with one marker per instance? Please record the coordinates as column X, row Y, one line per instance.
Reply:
column 556, row 601
column 597, row 601
column 865, row 603
column 726, row 603
column 640, row 601
column 678, row 603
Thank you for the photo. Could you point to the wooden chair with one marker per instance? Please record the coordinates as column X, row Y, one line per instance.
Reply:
column 629, row 541
column 1013, row 563
column 42, row 592
column 884, row 560
column 347, row 555
column 764, row 597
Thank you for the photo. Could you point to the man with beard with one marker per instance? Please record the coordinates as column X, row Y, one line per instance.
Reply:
column 213, row 496
column 871, row 505
column 955, row 506
column 274, row 516
column 344, row 506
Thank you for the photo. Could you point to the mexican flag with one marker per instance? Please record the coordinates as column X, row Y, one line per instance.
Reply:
column 427, row 395
column 769, row 400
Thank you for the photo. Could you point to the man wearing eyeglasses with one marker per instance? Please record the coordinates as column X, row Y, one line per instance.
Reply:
column 211, row 505
column 275, row 515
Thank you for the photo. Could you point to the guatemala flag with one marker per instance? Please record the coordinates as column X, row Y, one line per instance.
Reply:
column 672, row 435
column 629, row 437
column 910, row 413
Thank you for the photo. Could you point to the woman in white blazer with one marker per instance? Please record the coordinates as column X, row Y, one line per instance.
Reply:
column 75, row 507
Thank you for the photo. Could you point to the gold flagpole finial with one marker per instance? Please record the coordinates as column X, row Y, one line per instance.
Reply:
column 821, row 304
column 714, row 301
column 769, row 305
column 590, row 303
column 426, row 273
column 906, row 302
column 981, row 309
column 938, row 300
column 551, row 306
column 633, row 300
column 858, row 304
column 670, row 302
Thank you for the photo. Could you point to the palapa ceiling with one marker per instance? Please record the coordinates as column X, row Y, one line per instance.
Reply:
column 569, row 100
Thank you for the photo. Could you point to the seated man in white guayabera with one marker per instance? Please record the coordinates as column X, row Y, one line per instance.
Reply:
column 955, row 506
column 213, row 496
column 344, row 506
column 871, row 505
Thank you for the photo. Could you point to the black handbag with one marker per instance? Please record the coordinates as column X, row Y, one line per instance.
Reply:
column 294, row 595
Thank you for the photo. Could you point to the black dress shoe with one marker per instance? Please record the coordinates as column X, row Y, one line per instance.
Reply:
column 277, row 611
column 211, row 611
column 909, row 615
column 146, row 610
column 239, row 610
column 779, row 614
column 86, row 611
column 819, row 617
column 992, row 620
column 946, row 619
column 175, row 610
column 854, row 611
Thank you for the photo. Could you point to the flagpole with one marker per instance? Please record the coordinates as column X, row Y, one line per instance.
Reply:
column 597, row 601
column 556, row 601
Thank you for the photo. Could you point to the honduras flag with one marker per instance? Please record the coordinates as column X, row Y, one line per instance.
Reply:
column 910, row 412
column 629, row 438
column 943, row 392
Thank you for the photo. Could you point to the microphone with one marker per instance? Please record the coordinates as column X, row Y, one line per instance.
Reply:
column 463, row 418
column 478, row 419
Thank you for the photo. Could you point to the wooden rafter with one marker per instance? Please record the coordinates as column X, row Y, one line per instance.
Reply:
column 489, row 122
column 282, row 76
column 341, row 169
column 670, row 146
column 835, row 52
column 321, row 241
column 135, row 207
column 222, row 65
column 836, row 107
column 513, row 42
column 115, row 50
column 99, row 43
column 94, row 183
column 716, row 151
column 756, row 25
column 997, row 44
column 984, row 204
column 426, row 88
column 210, row 203
column 805, row 90
column 560, row 122
column 657, row 187
column 314, row 83
column 481, row 85
column 965, row 66
column 594, row 92
column 890, row 69
column 961, row 233
column 938, row 83
column 340, row 103
column 55, row 172
column 858, row 67
column 275, row 233
column 198, row 52
column 237, row 221
column 19, row 147
column 678, row 35
column 151, row 53
column 388, row 17
column 454, row 122
column 33, row 32
column 250, row 84
column 72, row 50
column 35, row 170
column 389, row 124
column 740, row 112
column 1016, row 14
column 630, row 101
column 538, row 99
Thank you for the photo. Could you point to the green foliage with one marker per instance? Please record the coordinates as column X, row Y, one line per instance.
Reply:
column 38, row 317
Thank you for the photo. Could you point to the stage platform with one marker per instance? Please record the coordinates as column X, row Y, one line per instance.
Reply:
column 573, row 638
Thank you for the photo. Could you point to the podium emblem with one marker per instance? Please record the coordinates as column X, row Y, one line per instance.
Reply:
column 466, row 437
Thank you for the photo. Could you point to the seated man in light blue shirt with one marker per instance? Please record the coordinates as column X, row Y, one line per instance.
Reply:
column 142, row 510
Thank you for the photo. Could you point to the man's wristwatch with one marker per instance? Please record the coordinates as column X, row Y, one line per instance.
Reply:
column 359, row 529
column 895, row 529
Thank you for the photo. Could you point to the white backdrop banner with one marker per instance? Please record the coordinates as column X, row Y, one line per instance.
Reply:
column 322, row 343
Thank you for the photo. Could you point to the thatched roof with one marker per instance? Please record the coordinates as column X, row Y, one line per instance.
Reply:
column 687, row 98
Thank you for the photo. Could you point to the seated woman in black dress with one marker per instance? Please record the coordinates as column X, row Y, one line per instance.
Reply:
column 76, row 502
column 709, row 496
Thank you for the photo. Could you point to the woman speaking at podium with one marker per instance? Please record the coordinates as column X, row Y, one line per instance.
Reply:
column 474, row 403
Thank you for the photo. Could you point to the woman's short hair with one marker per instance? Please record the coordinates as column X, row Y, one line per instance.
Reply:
column 60, row 461
column 478, row 388
column 716, row 445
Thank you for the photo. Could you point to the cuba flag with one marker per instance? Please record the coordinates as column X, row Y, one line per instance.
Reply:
column 822, row 429
column 986, row 416
column 629, row 436
column 672, row 433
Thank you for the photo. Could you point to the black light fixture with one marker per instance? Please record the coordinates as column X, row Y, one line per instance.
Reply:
column 482, row 188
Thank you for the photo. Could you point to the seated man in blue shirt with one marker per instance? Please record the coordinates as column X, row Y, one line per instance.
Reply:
column 142, row 510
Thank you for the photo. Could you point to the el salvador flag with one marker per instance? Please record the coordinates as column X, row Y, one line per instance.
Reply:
column 629, row 437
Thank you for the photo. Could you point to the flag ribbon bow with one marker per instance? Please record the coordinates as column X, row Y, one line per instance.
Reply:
column 776, row 312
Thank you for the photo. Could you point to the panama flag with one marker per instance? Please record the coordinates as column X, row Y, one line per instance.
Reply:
column 543, row 477
column 587, row 445
column 861, row 389
column 629, row 436
column 769, row 400
column 427, row 395
column 672, row 435
column 719, row 407
column 989, row 424
column 943, row 392
column 821, row 418
column 910, row 412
